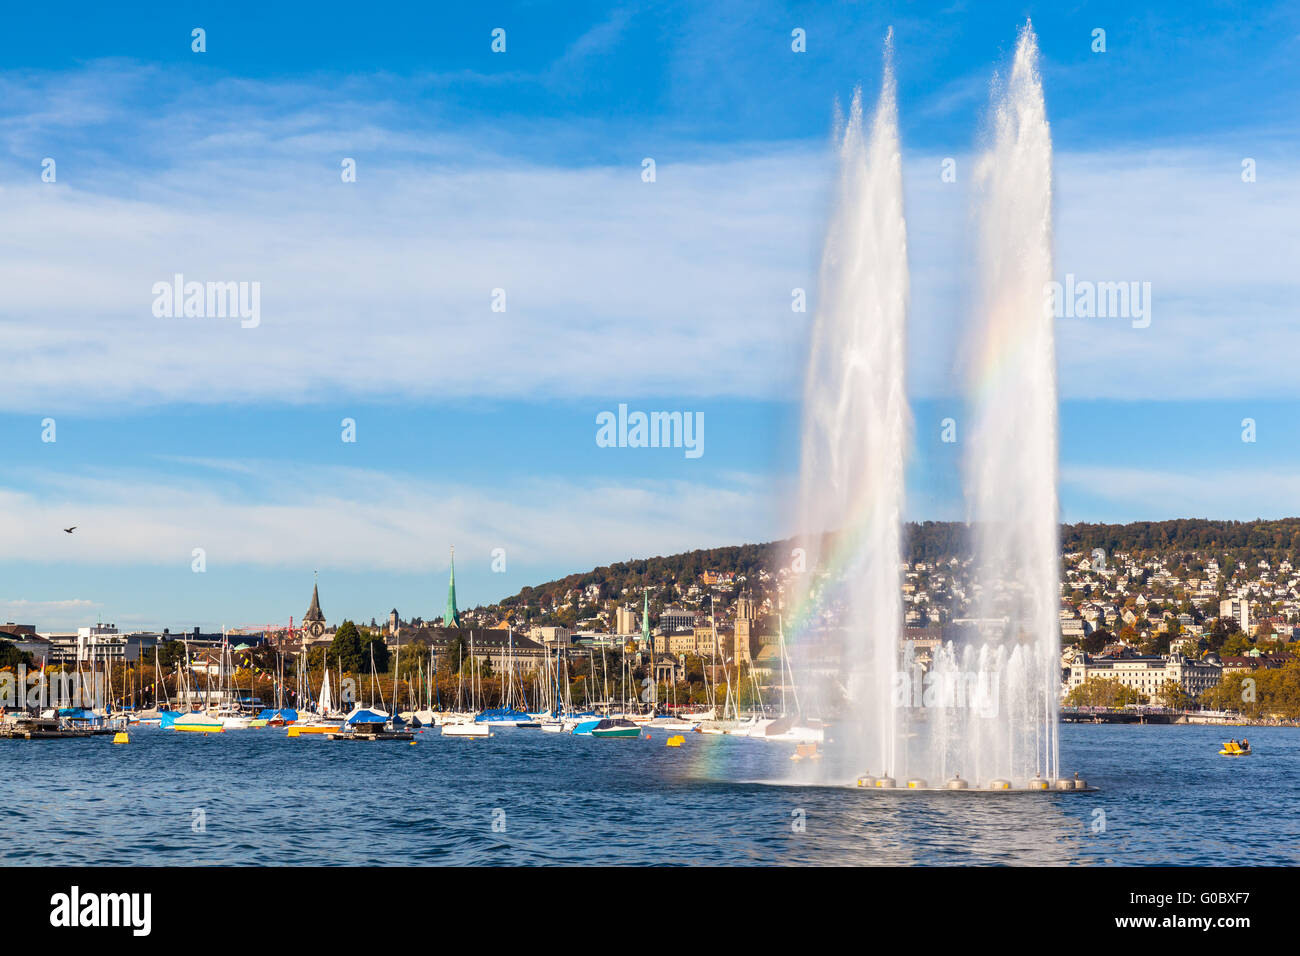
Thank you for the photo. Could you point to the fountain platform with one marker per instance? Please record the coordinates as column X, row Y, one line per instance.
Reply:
column 1063, row 785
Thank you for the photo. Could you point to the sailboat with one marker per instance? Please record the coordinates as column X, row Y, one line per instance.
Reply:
column 322, row 719
column 198, row 722
column 508, row 715
column 461, row 724
column 552, row 722
column 464, row 727
column 426, row 715
column 367, row 723
column 791, row 727
column 730, row 722
column 192, row 721
column 161, row 709
column 562, row 718
column 227, row 711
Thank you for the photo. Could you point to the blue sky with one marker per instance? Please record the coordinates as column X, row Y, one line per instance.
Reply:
column 522, row 171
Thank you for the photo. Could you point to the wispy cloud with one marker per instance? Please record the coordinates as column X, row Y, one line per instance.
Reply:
column 360, row 519
column 382, row 289
column 1155, row 494
column 21, row 608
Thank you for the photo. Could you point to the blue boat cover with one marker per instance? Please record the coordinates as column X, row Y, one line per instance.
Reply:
column 284, row 713
column 500, row 713
column 78, row 713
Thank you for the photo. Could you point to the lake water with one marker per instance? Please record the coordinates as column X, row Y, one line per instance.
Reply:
column 521, row 797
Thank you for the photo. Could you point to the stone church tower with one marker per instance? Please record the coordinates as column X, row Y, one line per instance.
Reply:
column 746, row 629
column 313, row 622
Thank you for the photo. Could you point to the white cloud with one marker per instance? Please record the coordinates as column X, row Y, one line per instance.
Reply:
column 1155, row 494
column 1219, row 255
column 19, row 609
column 358, row 520
column 381, row 289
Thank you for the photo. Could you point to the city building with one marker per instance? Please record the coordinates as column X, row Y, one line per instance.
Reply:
column 551, row 637
column 1146, row 674
column 98, row 643
column 675, row 618
column 1072, row 627
column 668, row 669
column 626, row 620
column 1238, row 609
column 23, row 638
column 503, row 649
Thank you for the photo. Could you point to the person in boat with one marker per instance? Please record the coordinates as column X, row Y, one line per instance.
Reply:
column 1245, row 744
column 1233, row 745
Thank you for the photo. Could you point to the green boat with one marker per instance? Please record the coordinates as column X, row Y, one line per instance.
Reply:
column 616, row 727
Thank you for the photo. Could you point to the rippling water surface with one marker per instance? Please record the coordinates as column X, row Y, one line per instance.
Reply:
column 1167, row 797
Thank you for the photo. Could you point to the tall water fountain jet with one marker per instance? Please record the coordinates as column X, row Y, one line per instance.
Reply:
column 856, row 425
column 1012, row 460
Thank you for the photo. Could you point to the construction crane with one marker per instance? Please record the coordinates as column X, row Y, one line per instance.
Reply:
column 279, row 632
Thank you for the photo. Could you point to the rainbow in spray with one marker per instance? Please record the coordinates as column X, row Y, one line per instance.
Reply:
column 985, row 708
column 1012, row 462
column 857, row 422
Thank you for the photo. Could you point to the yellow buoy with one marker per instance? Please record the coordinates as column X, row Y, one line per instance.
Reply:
column 412, row 743
column 676, row 741
column 121, row 738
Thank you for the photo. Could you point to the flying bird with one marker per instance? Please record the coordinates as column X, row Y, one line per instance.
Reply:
column 70, row 530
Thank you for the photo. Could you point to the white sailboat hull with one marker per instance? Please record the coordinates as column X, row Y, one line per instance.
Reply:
column 801, row 735
column 466, row 729
column 732, row 728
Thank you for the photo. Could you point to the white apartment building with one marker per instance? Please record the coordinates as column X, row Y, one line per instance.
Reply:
column 99, row 642
column 1146, row 674
column 551, row 636
column 627, row 620
column 1237, row 608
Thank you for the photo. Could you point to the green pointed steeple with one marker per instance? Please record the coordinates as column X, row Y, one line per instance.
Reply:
column 452, row 617
column 645, row 618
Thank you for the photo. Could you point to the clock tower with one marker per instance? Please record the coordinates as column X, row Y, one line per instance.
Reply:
column 313, row 622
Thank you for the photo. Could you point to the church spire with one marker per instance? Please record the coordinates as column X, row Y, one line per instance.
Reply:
column 645, row 617
column 452, row 617
column 314, row 612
